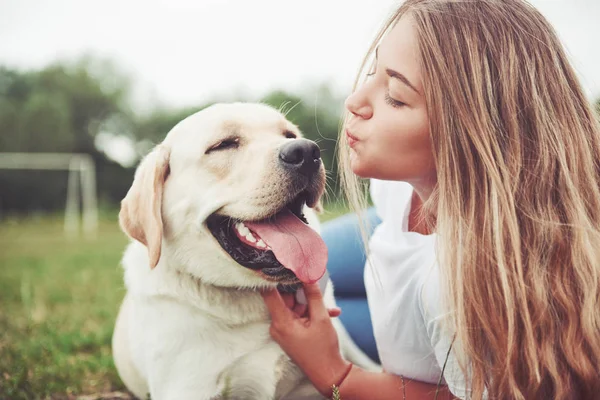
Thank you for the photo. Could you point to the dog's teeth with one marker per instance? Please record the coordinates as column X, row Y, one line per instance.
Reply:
column 250, row 238
column 242, row 229
column 260, row 243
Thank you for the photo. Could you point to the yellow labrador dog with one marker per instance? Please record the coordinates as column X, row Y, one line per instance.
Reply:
column 219, row 210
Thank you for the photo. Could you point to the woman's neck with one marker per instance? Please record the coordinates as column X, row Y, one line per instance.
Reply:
column 417, row 221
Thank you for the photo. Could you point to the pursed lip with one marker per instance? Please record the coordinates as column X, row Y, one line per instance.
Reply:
column 352, row 140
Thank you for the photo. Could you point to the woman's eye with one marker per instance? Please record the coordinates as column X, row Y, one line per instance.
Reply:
column 232, row 143
column 393, row 102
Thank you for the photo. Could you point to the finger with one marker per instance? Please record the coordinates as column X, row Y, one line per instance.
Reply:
column 300, row 309
column 316, row 307
column 288, row 299
column 334, row 312
column 277, row 307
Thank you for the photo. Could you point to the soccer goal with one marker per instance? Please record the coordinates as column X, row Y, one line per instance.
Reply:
column 81, row 187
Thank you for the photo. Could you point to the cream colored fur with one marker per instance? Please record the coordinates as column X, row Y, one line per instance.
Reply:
column 192, row 324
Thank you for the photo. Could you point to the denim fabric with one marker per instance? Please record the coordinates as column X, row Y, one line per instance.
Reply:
column 346, row 265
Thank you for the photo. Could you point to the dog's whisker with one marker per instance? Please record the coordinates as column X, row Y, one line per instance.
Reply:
column 328, row 189
column 294, row 106
column 283, row 106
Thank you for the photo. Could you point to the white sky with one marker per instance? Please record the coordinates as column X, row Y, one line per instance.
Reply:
column 180, row 52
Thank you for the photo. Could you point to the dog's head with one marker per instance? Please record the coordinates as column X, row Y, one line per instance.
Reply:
column 223, row 197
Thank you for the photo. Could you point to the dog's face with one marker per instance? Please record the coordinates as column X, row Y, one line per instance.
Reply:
column 223, row 196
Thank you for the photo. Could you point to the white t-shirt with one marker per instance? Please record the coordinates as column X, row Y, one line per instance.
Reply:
column 403, row 290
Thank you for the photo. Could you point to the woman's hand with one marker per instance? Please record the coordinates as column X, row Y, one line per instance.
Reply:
column 307, row 335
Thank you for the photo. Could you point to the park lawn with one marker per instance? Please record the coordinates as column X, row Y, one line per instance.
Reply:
column 58, row 303
column 59, row 299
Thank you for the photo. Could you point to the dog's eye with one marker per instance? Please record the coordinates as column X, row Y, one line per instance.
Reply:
column 230, row 143
column 290, row 135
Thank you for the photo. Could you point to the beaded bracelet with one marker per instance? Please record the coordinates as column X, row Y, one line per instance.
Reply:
column 335, row 389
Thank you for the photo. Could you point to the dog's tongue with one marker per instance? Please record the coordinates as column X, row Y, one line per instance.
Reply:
column 295, row 245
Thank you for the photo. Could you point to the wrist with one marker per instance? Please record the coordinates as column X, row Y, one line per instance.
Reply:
column 348, row 387
column 335, row 376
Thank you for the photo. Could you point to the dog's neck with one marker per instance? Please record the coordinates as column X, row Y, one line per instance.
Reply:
column 231, row 297
column 231, row 305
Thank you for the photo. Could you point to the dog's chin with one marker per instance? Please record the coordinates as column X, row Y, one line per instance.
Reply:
column 241, row 244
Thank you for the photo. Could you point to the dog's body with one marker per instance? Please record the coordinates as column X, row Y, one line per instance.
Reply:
column 193, row 324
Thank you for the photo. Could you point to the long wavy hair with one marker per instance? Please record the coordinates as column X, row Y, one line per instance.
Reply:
column 517, row 200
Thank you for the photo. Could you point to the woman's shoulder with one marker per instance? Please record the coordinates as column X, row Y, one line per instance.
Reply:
column 432, row 298
column 438, row 321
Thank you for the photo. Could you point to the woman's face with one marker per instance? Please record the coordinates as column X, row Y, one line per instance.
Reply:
column 388, row 129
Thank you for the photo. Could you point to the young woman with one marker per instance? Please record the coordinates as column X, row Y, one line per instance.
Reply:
column 484, row 155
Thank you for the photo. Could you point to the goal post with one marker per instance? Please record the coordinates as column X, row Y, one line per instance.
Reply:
column 81, row 184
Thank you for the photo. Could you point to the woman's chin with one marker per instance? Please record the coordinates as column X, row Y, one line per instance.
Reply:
column 358, row 167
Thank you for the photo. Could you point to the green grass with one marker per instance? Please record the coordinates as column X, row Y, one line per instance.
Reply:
column 59, row 299
column 58, row 303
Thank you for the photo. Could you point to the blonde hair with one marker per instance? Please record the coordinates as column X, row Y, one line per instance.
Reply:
column 517, row 201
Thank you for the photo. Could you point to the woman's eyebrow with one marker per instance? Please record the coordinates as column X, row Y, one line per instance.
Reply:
column 395, row 74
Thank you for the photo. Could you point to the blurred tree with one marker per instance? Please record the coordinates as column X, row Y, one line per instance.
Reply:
column 9, row 123
column 60, row 109
column 45, row 124
column 66, row 106
column 156, row 125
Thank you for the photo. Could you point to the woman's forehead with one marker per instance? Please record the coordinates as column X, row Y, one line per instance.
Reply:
column 399, row 51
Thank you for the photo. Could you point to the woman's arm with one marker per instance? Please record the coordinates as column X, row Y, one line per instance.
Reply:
column 312, row 343
column 363, row 385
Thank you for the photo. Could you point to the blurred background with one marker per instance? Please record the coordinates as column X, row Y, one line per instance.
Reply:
column 88, row 87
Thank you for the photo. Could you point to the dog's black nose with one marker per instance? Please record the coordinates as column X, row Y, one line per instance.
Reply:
column 302, row 155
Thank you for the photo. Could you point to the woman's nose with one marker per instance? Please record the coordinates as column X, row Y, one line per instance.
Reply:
column 358, row 105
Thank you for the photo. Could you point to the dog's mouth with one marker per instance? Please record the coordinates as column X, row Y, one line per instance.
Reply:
column 281, row 247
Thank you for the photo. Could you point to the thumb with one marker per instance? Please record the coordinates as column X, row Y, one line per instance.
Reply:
column 314, row 299
column 276, row 306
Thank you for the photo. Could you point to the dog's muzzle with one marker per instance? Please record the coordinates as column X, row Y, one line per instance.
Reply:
column 281, row 246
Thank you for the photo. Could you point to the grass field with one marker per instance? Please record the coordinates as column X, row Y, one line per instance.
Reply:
column 58, row 302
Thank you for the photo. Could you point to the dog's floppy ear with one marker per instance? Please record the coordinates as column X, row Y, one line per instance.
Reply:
column 140, row 216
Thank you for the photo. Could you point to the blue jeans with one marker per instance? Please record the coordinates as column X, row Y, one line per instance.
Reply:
column 346, row 268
